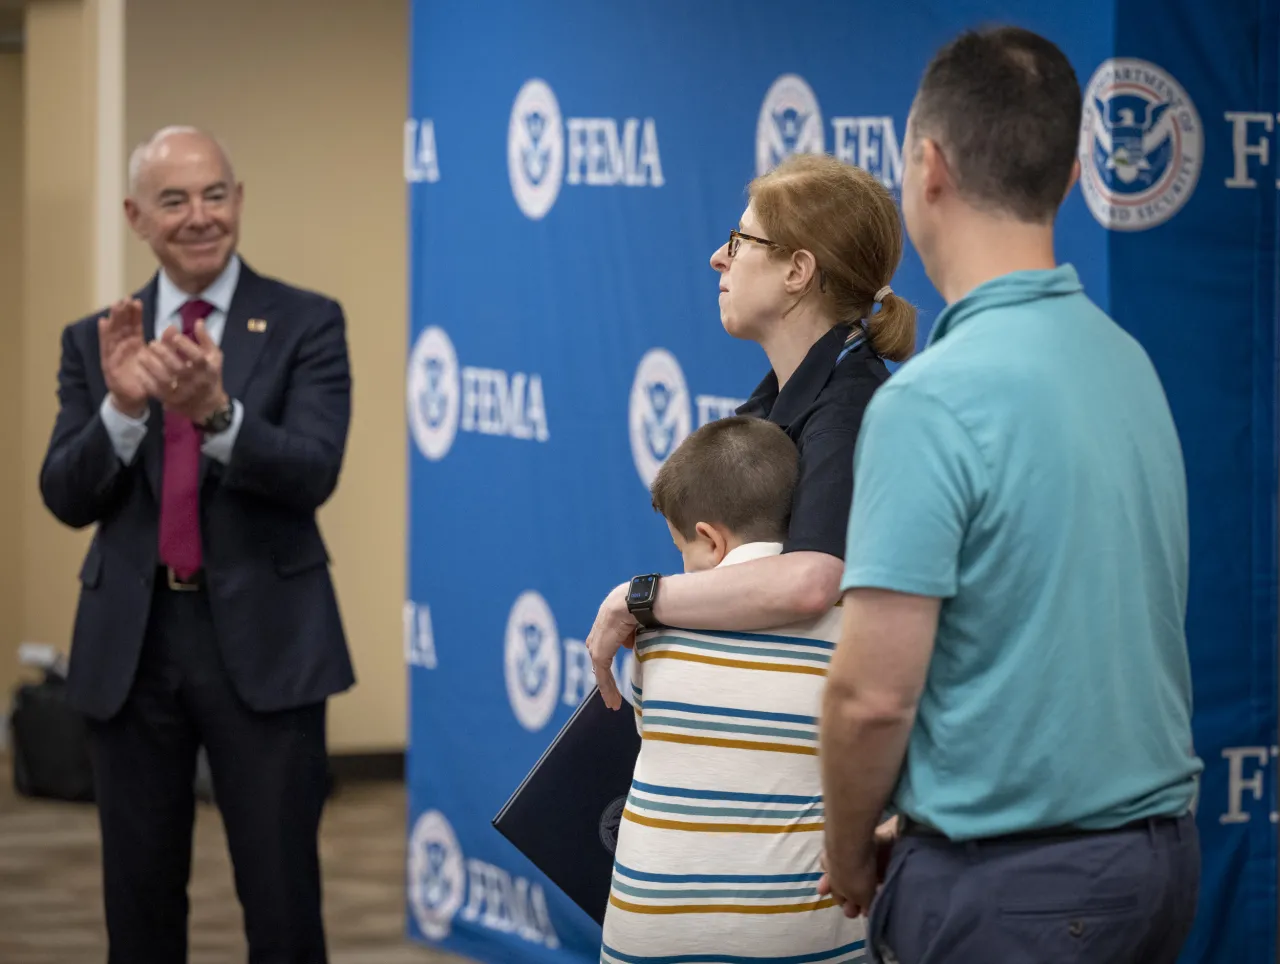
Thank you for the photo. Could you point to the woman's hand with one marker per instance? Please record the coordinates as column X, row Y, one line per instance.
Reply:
column 614, row 627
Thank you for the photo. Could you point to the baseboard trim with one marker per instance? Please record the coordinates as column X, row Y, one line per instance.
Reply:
column 385, row 766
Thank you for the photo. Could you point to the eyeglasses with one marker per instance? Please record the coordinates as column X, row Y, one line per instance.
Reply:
column 736, row 237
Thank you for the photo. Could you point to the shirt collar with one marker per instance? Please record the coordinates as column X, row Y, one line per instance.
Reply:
column 1017, row 287
column 804, row 385
column 749, row 551
column 169, row 297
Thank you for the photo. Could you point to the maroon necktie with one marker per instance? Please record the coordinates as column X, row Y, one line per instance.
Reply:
column 180, row 494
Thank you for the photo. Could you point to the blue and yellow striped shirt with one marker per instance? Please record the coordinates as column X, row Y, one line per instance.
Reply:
column 718, row 852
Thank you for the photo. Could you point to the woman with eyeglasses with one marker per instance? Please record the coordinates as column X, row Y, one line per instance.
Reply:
column 720, row 852
column 806, row 276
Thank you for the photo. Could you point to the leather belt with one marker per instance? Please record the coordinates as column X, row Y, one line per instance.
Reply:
column 194, row 584
column 915, row 828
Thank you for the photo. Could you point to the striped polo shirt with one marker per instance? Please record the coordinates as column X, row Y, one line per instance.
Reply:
column 718, row 851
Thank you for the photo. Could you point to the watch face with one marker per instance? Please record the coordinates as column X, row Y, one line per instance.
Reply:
column 641, row 589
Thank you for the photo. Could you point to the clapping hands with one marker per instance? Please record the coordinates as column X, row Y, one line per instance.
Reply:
column 183, row 374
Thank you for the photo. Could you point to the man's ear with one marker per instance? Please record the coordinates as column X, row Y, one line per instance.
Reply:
column 1074, row 179
column 935, row 172
column 134, row 215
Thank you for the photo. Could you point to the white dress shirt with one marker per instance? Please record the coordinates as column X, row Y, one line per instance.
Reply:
column 127, row 433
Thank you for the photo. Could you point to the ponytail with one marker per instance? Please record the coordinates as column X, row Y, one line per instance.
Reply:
column 892, row 329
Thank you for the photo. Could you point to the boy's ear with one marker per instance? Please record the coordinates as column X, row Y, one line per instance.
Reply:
column 717, row 541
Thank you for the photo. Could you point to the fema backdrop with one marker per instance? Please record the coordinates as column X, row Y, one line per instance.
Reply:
column 572, row 166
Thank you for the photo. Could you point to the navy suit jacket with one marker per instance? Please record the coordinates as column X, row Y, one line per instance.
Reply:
column 266, row 566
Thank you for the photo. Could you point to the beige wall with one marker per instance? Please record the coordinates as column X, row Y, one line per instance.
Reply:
column 58, row 267
column 310, row 97
column 11, row 476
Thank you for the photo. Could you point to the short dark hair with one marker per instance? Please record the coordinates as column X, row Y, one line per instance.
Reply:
column 738, row 472
column 1004, row 105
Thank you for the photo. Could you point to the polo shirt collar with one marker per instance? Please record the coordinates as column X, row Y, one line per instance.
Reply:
column 749, row 551
column 804, row 385
column 1017, row 287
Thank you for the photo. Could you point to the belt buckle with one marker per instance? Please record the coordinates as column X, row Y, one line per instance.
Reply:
column 177, row 585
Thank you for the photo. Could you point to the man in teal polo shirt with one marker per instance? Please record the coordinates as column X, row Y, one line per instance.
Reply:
column 1013, row 676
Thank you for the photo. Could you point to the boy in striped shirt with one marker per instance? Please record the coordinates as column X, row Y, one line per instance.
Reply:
column 719, row 852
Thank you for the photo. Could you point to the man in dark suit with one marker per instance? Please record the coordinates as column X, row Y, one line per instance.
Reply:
column 201, row 425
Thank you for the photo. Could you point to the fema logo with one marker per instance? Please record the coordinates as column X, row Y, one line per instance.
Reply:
column 532, row 661
column 436, row 876
column 659, row 414
column 433, row 393
column 610, row 821
column 535, row 149
column 789, row 123
column 1141, row 145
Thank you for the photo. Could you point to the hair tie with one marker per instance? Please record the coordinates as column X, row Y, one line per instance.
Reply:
column 883, row 293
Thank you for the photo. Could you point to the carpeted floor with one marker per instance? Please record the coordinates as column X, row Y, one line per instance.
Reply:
column 51, row 897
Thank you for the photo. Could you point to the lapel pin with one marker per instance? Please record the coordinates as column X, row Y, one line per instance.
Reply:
column 257, row 325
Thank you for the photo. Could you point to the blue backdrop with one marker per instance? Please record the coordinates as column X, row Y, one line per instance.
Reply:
column 573, row 165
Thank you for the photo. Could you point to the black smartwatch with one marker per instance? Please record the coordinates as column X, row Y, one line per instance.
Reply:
column 640, row 598
column 219, row 421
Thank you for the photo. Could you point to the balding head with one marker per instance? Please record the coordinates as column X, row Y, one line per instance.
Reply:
column 172, row 143
column 185, row 203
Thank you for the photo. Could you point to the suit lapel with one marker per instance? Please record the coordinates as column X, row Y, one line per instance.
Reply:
column 152, row 453
column 242, row 343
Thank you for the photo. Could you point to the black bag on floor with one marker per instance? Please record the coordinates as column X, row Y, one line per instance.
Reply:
column 50, row 743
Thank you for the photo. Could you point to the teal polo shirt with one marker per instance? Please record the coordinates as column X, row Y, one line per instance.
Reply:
column 1025, row 469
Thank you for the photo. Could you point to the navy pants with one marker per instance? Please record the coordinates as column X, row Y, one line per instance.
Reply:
column 1121, row 897
column 269, row 776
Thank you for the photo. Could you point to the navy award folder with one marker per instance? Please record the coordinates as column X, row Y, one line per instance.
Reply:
column 564, row 816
